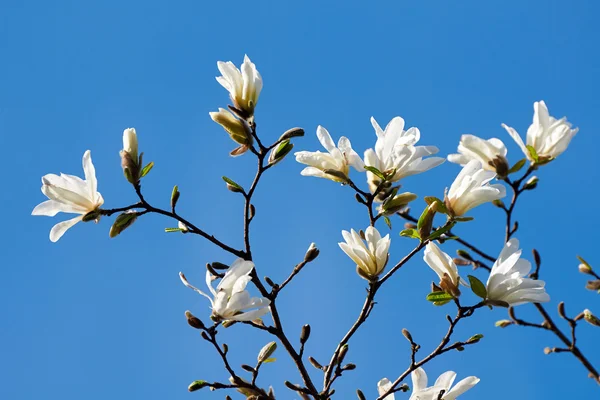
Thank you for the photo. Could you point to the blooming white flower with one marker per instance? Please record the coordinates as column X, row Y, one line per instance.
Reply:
column 422, row 392
column 491, row 153
column 547, row 135
column 243, row 86
column 471, row 188
column 337, row 161
column 371, row 258
column 395, row 150
column 507, row 281
column 70, row 194
column 443, row 265
column 231, row 299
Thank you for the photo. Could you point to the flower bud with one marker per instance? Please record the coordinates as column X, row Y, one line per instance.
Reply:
column 266, row 352
column 304, row 333
column 593, row 285
column 360, row 394
column 239, row 130
column 193, row 321
column 394, row 204
column 591, row 318
column 503, row 323
column 130, row 143
column 500, row 164
column 279, row 152
column 123, row 221
column 349, row 367
column 407, row 335
column 531, row 183
column 315, row 363
column 92, row 216
column 311, row 253
column 183, row 227
column 290, row 133
column 197, row 385
column 426, row 220
column 585, row 269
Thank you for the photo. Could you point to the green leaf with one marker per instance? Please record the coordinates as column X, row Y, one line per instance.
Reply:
column 175, row 196
column 269, row 360
column 441, row 208
column 169, row 230
column 533, row 153
column 387, row 222
column 477, row 287
column 436, row 297
column 517, row 167
column 411, row 233
column 440, row 231
column 147, row 169
column 475, row 338
column 232, row 186
column 375, row 172
column 463, row 219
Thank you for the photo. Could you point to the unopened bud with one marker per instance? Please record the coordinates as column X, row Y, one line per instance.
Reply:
column 290, row 133
column 197, row 385
column 404, row 387
column 270, row 281
column 500, row 164
column 407, row 335
column 548, row 350
column 130, row 143
column 315, row 363
column 461, row 261
column 426, row 220
column 394, row 204
column 92, row 216
column 266, row 352
column 175, row 196
column 205, row 336
column 238, row 129
column 561, row 310
column 304, row 333
column 498, row 203
column 475, row 338
column 593, row 285
column 193, row 321
column 360, row 395
column 219, row 265
column 248, row 368
column 349, row 367
column 591, row 318
column 342, row 353
column 464, row 254
column 311, row 253
column 360, row 199
column 123, row 221
column 280, row 151
column 531, row 183
column 503, row 323
column 290, row 385
column 585, row 269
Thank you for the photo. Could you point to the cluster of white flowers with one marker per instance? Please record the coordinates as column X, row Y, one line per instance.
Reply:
column 394, row 157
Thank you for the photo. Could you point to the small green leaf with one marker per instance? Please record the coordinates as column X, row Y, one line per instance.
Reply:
column 463, row 219
column 477, row 287
column 435, row 297
column 169, row 230
column 440, row 231
column 584, row 262
column 441, row 207
column 475, row 338
column 375, row 172
column 269, row 360
column 517, row 167
column 232, row 186
column 147, row 169
column 411, row 233
column 175, row 196
column 388, row 222
column 533, row 153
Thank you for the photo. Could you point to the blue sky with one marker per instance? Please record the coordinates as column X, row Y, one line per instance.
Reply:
column 103, row 318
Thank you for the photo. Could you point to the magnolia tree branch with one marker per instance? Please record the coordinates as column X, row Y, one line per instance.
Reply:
column 443, row 347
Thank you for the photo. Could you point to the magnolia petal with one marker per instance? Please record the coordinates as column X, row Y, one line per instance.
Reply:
column 461, row 387
column 59, row 229
column 383, row 386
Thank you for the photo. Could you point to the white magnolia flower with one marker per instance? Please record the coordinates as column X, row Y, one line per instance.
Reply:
column 130, row 143
column 337, row 160
column 443, row 265
column 395, row 150
column 231, row 299
column 471, row 188
column 243, row 86
column 491, row 153
column 547, row 135
column 422, row 392
column 371, row 258
column 443, row 382
column 70, row 194
column 508, row 282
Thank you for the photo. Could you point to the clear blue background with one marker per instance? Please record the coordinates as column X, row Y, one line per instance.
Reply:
column 96, row 318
